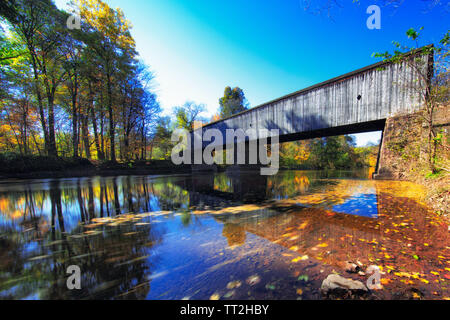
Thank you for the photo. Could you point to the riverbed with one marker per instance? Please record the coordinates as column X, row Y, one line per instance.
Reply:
column 233, row 235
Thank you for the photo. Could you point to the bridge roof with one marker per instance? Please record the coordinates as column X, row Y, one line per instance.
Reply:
column 323, row 84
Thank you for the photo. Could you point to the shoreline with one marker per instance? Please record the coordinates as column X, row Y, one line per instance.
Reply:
column 92, row 172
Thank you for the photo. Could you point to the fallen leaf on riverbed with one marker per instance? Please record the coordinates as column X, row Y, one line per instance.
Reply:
column 270, row 286
column 39, row 258
column 229, row 294
column 215, row 296
column 253, row 280
column 300, row 259
column 416, row 295
column 303, row 226
column 303, row 277
column 233, row 284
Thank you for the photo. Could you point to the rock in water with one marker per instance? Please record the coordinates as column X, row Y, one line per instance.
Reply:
column 352, row 267
column 335, row 282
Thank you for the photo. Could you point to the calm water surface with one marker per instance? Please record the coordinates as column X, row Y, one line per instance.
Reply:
column 227, row 236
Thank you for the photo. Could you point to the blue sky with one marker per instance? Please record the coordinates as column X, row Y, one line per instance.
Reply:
column 268, row 48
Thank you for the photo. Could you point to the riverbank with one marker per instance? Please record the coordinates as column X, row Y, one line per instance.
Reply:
column 40, row 167
column 438, row 192
column 14, row 166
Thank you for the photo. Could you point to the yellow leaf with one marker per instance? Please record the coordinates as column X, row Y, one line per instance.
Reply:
column 416, row 295
column 300, row 258
column 214, row 297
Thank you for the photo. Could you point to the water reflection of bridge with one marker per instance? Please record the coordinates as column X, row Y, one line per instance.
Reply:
column 313, row 231
column 216, row 190
column 305, row 229
column 393, row 236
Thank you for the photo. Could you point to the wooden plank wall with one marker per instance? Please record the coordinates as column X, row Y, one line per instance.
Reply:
column 384, row 90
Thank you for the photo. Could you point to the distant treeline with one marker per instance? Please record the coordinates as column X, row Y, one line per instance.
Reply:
column 339, row 152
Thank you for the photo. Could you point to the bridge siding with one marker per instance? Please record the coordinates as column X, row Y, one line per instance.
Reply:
column 384, row 94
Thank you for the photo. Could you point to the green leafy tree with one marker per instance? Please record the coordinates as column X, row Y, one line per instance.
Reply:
column 332, row 153
column 163, row 138
column 111, row 39
column 187, row 114
column 232, row 102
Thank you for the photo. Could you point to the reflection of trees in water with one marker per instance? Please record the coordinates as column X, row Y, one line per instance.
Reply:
column 114, row 263
column 288, row 183
column 223, row 183
column 234, row 233
column 86, row 199
column 170, row 196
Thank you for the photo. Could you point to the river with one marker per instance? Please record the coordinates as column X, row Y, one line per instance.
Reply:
column 218, row 236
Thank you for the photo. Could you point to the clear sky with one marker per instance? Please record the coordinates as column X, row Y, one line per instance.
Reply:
column 268, row 48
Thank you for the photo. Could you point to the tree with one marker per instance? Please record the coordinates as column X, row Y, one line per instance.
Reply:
column 8, row 9
column 111, row 39
column 187, row 114
column 74, row 58
column 38, row 24
column 293, row 154
column 232, row 102
column 163, row 137
column 332, row 153
column 73, row 92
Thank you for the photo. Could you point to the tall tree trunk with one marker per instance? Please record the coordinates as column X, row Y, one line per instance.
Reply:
column 75, row 121
column 102, row 130
column 100, row 154
column 85, row 135
column 51, row 89
column 111, row 121
column 39, row 99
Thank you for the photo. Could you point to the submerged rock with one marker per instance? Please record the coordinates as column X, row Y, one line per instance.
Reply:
column 352, row 267
column 336, row 283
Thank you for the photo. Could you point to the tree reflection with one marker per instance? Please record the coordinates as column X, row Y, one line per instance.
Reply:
column 234, row 233
column 114, row 262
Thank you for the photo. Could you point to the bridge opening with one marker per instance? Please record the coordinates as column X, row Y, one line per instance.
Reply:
column 340, row 152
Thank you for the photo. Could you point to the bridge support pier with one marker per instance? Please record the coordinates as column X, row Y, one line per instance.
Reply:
column 402, row 136
column 237, row 165
column 386, row 167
